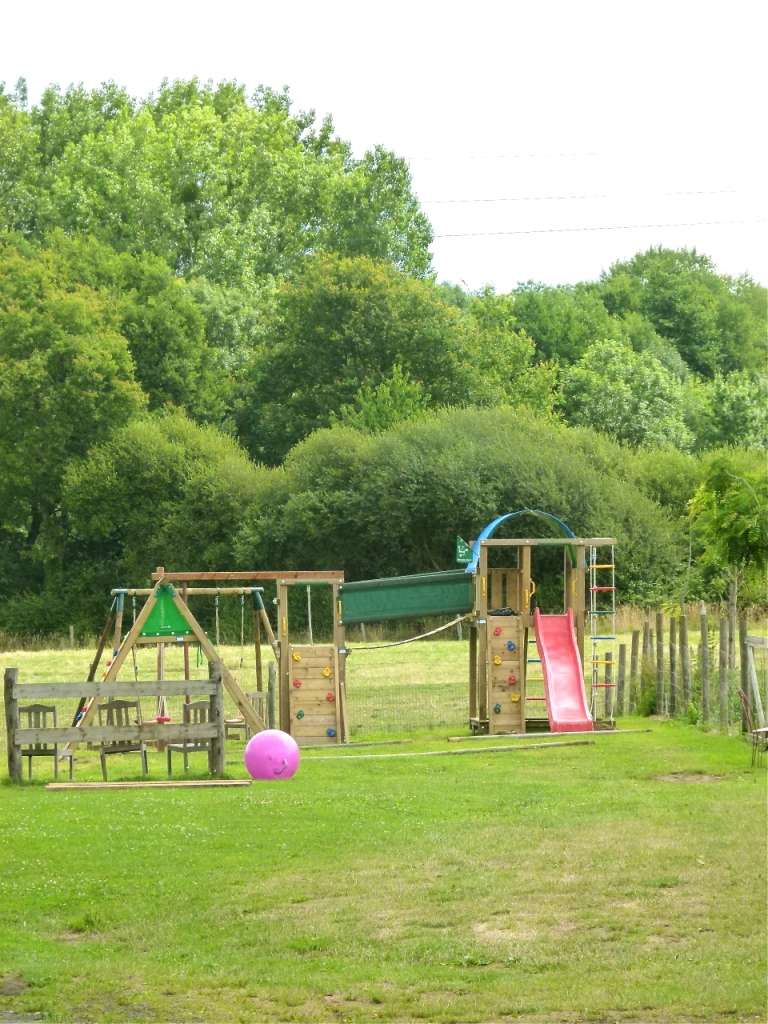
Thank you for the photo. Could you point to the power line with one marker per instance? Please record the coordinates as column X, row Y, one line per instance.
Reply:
column 597, row 195
column 597, row 227
column 502, row 156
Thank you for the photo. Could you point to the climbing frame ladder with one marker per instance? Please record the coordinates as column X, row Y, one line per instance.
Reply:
column 602, row 619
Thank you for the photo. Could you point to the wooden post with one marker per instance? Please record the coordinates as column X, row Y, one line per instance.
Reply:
column 704, row 663
column 12, row 723
column 71, row 636
column 580, row 598
column 746, row 700
column 608, row 685
column 283, row 696
column 659, row 663
column 472, row 671
column 672, row 666
column 723, row 664
column 216, row 746
column 646, row 640
column 340, row 661
column 271, row 676
column 185, row 645
column 621, row 706
column 685, row 660
column 733, row 592
column 481, row 605
column 633, row 665
column 117, row 638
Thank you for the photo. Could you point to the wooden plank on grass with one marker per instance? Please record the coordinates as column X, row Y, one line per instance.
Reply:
column 527, row 735
column 160, row 784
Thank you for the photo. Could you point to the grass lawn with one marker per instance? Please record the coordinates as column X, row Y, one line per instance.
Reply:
column 572, row 884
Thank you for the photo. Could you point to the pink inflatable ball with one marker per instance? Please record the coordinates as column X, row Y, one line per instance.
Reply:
column 271, row 754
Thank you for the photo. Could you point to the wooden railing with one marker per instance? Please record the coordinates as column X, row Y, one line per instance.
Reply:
column 147, row 732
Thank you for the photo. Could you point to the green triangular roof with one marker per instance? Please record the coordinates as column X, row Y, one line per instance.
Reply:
column 165, row 619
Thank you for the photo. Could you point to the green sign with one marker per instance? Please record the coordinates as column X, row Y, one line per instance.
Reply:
column 463, row 552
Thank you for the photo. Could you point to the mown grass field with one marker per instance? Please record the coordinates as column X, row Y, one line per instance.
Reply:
column 582, row 883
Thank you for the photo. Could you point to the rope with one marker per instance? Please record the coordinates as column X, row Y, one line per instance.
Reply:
column 421, row 636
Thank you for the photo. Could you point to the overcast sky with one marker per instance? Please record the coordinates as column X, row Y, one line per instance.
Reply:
column 518, row 120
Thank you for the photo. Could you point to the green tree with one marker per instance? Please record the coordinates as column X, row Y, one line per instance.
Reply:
column 714, row 320
column 344, row 324
column 562, row 321
column 378, row 408
column 66, row 381
column 217, row 183
column 160, row 490
column 629, row 396
column 729, row 515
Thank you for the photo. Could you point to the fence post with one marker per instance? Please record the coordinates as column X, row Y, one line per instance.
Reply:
column 271, row 681
column 659, row 663
column 733, row 589
column 633, row 660
column 704, row 663
column 746, row 700
column 672, row 666
column 646, row 640
column 12, row 723
column 216, row 747
column 621, row 700
column 685, row 660
column 608, row 685
column 723, row 673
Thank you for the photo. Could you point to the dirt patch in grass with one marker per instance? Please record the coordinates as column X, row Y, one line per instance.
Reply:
column 688, row 777
column 12, row 985
column 490, row 931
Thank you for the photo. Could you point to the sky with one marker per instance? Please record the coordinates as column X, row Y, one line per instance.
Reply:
column 546, row 140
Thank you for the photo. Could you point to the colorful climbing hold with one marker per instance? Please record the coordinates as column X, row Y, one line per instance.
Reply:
column 512, row 680
column 298, row 683
column 296, row 656
column 511, row 645
column 497, row 659
column 514, row 697
column 327, row 671
column 497, row 631
column 497, row 709
column 330, row 696
column 299, row 714
column 330, row 731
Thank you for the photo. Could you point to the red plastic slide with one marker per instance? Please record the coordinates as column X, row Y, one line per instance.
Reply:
column 563, row 678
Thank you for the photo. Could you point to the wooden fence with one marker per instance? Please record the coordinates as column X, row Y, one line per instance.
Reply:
column 710, row 669
column 147, row 732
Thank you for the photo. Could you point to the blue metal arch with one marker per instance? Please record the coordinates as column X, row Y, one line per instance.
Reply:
column 491, row 528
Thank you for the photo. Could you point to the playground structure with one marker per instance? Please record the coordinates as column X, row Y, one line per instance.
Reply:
column 508, row 637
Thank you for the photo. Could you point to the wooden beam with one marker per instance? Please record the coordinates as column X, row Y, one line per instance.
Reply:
column 148, row 688
column 532, row 542
column 192, row 591
column 148, row 732
column 292, row 575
